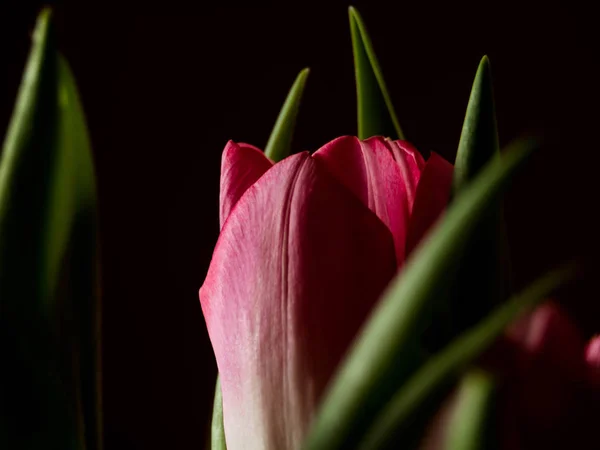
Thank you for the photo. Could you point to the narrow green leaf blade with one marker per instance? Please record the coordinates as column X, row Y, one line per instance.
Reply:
column 454, row 358
column 217, row 434
column 280, row 141
column 386, row 351
column 483, row 277
column 81, row 244
column 470, row 427
column 376, row 115
column 48, row 272
column 27, row 395
column 479, row 138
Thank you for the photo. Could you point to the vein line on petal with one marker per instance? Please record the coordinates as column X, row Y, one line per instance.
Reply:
column 369, row 177
column 406, row 175
column 286, row 314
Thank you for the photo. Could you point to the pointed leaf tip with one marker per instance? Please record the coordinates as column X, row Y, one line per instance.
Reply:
column 479, row 137
column 483, row 277
column 376, row 114
column 280, row 141
column 44, row 16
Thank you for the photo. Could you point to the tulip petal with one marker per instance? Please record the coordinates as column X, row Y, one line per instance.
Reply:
column 549, row 335
column 592, row 361
column 431, row 198
column 545, row 396
column 592, row 353
column 411, row 164
column 382, row 174
column 241, row 166
column 549, row 364
column 298, row 265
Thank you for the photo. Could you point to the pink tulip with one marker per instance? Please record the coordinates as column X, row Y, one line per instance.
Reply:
column 307, row 246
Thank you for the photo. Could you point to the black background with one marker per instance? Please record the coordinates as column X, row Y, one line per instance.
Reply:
column 165, row 87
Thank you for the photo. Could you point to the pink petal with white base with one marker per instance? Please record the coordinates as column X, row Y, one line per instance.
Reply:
column 298, row 266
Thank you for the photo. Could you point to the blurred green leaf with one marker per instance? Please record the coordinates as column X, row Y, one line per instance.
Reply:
column 217, row 433
column 280, row 142
column 385, row 354
column 376, row 115
column 448, row 363
column 49, row 309
column 471, row 424
column 84, row 270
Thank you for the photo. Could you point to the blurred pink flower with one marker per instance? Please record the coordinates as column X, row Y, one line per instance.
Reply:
column 592, row 355
column 549, row 390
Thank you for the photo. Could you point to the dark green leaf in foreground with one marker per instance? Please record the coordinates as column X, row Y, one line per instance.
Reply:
column 385, row 354
column 280, row 141
column 376, row 115
column 450, row 361
column 49, row 321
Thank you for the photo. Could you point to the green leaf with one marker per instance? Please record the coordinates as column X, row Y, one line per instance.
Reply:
column 217, row 434
column 482, row 280
column 49, row 321
column 280, row 141
column 454, row 358
column 470, row 427
column 386, row 351
column 479, row 138
column 82, row 246
column 376, row 115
